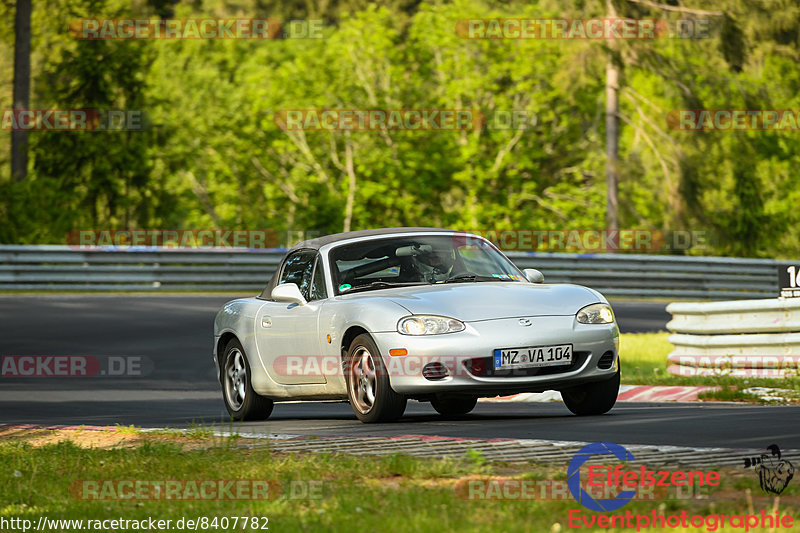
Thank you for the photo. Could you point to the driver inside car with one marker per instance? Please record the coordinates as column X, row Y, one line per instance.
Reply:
column 436, row 265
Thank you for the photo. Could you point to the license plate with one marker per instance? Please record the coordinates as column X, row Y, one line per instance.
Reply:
column 532, row 357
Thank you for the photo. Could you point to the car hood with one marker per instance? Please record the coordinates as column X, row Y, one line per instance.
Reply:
column 488, row 300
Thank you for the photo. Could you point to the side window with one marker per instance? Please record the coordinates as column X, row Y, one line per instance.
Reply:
column 297, row 270
column 318, row 291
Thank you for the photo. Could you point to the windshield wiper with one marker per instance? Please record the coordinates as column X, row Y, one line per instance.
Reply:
column 380, row 285
column 465, row 278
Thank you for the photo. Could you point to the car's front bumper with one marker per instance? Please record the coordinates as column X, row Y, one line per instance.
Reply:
column 458, row 353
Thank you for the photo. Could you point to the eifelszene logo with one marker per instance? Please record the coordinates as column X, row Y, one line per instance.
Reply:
column 774, row 473
column 631, row 478
column 574, row 476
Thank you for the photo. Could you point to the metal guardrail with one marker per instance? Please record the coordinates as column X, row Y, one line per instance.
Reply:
column 758, row 338
column 679, row 277
column 58, row 268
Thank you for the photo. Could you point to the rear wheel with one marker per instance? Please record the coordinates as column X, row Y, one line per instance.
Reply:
column 368, row 389
column 241, row 400
column 592, row 398
column 452, row 405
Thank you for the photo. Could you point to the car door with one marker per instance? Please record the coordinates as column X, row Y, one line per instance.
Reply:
column 287, row 334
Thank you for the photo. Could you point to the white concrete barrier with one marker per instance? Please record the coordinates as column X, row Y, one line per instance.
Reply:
column 739, row 316
column 755, row 338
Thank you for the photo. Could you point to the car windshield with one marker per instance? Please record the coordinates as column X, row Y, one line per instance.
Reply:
column 417, row 260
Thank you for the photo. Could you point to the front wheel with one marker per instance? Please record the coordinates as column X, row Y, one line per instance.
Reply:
column 368, row 389
column 592, row 398
column 241, row 400
column 454, row 405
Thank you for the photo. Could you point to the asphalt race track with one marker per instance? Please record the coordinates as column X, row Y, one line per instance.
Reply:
column 172, row 337
column 675, row 425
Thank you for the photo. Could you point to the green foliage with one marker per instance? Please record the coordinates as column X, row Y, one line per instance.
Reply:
column 215, row 157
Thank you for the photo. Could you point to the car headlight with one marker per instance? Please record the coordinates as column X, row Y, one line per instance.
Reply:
column 428, row 325
column 596, row 314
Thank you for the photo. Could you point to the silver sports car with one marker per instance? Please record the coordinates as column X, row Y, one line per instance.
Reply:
column 381, row 316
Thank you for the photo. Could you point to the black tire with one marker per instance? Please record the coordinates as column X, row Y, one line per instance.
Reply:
column 454, row 405
column 236, row 378
column 592, row 398
column 370, row 394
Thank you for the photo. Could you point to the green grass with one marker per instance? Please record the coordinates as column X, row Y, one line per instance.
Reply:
column 643, row 356
column 199, row 431
column 358, row 493
column 729, row 394
column 644, row 362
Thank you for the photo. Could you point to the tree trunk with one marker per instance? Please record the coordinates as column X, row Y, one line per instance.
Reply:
column 351, row 185
column 612, row 132
column 22, row 85
column 612, row 145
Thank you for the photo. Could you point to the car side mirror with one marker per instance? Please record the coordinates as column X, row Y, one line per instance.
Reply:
column 533, row 275
column 288, row 292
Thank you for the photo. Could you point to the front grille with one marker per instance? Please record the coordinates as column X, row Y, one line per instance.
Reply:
column 606, row 360
column 484, row 367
